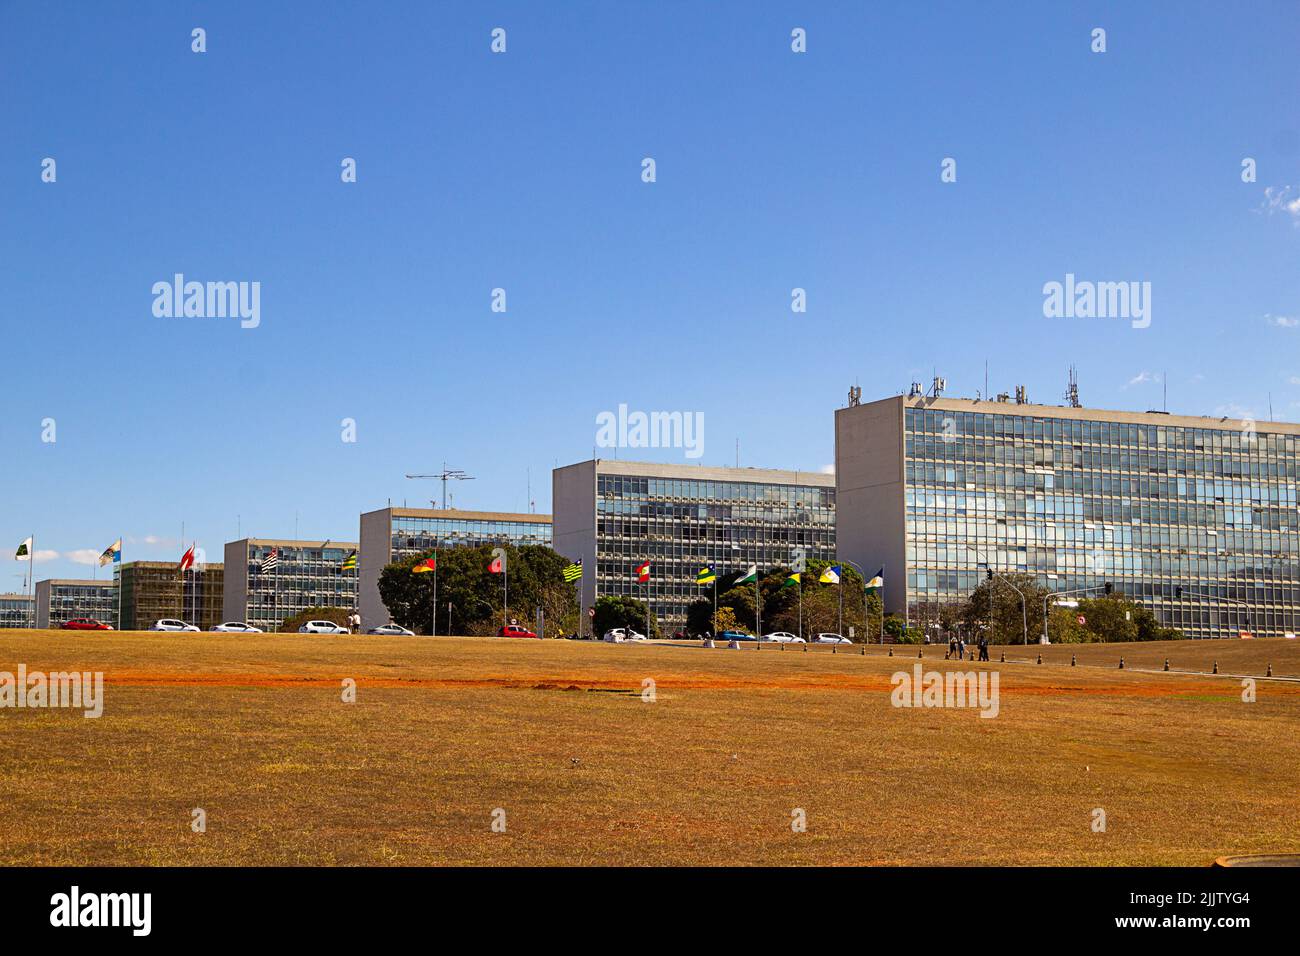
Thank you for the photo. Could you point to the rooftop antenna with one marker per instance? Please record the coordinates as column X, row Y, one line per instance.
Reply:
column 1164, row 391
column 1072, row 390
column 737, row 452
column 444, row 476
column 855, row 395
column 986, row 378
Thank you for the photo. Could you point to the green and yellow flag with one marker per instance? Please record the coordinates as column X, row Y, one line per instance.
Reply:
column 706, row 575
column 350, row 562
column 875, row 585
column 573, row 571
column 792, row 581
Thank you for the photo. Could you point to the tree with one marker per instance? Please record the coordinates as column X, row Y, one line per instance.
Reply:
column 615, row 611
column 998, row 606
column 726, row 621
column 339, row 615
column 474, row 595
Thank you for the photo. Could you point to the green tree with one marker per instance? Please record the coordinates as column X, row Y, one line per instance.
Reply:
column 614, row 611
column 998, row 605
column 470, row 598
column 726, row 621
column 339, row 615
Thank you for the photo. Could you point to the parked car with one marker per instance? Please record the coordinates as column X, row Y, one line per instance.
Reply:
column 322, row 627
column 394, row 630
column 621, row 635
column 831, row 639
column 85, row 624
column 782, row 637
column 237, row 627
column 735, row 636
column 514, row 630
column 172, row 624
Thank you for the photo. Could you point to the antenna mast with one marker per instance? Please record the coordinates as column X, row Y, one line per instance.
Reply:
column 444, row 476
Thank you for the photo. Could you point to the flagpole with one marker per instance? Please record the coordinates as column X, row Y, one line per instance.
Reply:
column 800, row 604
column 434, row 632
column 119, row 588
column 31, row 578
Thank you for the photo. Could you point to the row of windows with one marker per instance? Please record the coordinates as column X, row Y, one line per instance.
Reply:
column 791, row 496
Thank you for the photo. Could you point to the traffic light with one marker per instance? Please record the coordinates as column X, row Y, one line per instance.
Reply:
column 989, row 573
column 1109, row 587
column 1178, row 591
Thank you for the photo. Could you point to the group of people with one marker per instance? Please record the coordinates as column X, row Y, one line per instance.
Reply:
column 957, row 648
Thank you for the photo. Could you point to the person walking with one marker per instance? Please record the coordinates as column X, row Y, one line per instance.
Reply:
column 984, row 647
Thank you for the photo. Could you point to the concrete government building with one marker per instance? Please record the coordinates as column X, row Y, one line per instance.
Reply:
column 59, row 600
column 1154, row 503
column 307, row 574
column 390, row 534
column 616, row 514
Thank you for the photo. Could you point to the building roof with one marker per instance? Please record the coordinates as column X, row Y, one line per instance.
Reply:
column 99, row 583
column 1085, row 414
column 291, row 543
column 767, row 476
column 455, row 514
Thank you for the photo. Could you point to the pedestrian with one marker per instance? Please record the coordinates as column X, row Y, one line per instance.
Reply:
column 984, row 647
column 961, row 648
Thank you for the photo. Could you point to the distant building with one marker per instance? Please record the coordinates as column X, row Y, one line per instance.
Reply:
column 614, row 515
column 152, row 590
column 1193, row 517
column 306, row 574
column 16, row 610
column 390, row 534
column 59, row 600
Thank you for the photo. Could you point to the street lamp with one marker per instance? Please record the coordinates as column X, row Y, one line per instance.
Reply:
column 1024, row 614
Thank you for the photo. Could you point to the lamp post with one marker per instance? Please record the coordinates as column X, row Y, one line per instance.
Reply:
column 1178, row 594
column 1060, row 594
column 1024, row 613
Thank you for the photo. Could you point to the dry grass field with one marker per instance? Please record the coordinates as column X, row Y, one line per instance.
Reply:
column 556, row 734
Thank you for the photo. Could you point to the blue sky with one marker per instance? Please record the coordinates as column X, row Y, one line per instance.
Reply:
column 522, row 170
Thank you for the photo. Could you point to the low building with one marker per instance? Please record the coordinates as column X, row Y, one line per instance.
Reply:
column 270, row 579
column 60, row 600
column 615, row 515
column 390, row 534
column 152, row 590
column 16, row 610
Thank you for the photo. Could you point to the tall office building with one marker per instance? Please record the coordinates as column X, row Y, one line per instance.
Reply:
column 390, row 534
column 153, row 590
column 1194, row 517
column 16, row 610
column 263, row 590
column 615, row 515
column 60, row 600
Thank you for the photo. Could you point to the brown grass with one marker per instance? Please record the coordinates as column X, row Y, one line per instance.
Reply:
column 445, row 730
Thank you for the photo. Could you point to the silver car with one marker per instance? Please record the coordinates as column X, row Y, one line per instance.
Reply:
column 172, row 624
column 828, row 638
column 782, row 637
column 237, row 627
column 396, row 630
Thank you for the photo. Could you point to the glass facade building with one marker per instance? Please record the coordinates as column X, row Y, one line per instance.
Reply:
column 16, row 610
column 391, row 534
column 616, row 515
column 307, row 574
column 1194, row 517
column 153, row 590
column 59, row 601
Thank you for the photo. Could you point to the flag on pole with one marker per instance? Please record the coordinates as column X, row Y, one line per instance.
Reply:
column 24, row 550
column 831, row 575
column 495, row 566
column 573, row 571
column 112, row 554
column 792, row 581
column 272, row 560
column 643, row 572
column 187, row 559
column 706, row 575
column 750, row 575
column 425, row 566
column 875, row 585
column 350, row 562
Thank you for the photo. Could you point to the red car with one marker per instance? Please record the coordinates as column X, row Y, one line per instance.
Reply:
column 515, row 630
column 85, row 624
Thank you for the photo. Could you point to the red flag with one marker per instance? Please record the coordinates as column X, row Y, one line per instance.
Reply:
column 495, row 566
column 422, row 567
column 187, row 559
column 643, row 572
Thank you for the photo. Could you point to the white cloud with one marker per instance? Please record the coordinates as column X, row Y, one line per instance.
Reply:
column 1282, row 321
column 1284, row 199
column 828, row 469
column 83, row 556
column 1293, row 380
column 1144, row 378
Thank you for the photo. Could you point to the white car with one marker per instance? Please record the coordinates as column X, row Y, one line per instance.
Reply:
column 171, row 624
column 831, row 639
column 621, row 635
column 782, row 637
column 237, row 627
column 322, row 627
column 391, row 629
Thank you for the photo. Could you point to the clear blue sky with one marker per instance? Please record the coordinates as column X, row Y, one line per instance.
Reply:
column 522, row 170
